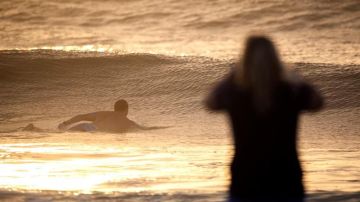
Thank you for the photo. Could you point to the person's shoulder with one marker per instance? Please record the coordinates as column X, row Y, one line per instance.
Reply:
column 295, row 82
column 299, row 87
column 102, row 113
column 305, row 94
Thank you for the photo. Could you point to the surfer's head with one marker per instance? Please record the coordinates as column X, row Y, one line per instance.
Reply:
column 121, row 106
column 260, row 70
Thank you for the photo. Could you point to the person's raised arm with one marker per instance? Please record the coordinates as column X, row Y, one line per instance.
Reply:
column 308, row 96
column 78, row 118
column 218, row 98
column 311, row 99
column 316, row 100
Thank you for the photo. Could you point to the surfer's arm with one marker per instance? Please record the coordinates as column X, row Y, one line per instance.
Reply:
column 137, row 126
column 78, row 118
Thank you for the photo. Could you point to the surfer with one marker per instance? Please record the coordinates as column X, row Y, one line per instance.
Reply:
column 264, row 104
column 107, row 121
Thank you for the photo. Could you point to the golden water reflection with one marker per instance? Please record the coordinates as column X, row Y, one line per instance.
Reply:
column 85, row 169
column 157, row 164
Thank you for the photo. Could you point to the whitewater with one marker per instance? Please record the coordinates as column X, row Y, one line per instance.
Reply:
column 59, row 59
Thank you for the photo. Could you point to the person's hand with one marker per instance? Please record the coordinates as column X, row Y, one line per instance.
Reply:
column 62, row 126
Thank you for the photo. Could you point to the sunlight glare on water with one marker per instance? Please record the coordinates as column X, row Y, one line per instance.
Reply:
column 88, row 168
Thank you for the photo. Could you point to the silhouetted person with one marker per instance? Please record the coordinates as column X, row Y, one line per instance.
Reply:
column 109, row 121
column 263, row 103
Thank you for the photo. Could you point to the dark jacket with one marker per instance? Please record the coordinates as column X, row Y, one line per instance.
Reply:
column 265, row 162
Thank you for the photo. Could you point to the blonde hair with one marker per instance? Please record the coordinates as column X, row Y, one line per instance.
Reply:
column 260, row 71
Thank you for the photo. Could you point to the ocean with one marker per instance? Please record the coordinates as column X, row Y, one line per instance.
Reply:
column 63, row 58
